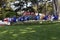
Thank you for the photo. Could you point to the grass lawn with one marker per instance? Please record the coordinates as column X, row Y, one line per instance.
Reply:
column 30, row 32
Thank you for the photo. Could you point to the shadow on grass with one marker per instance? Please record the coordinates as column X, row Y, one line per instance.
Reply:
column 30, row 32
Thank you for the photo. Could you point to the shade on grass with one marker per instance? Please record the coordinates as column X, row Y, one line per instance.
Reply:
column 30, row 32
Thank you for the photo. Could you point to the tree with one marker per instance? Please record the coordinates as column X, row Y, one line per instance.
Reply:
column 58, row 8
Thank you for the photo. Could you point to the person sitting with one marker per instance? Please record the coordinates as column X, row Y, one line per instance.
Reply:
column 13, row 19
column 55, row 17
column 26, row 18
column 42, row 16
column 37, row 17
column 21, row 18
column 46, row 17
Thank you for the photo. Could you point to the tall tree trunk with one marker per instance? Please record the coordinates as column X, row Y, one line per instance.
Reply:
column 55, row 6
column 58, row 8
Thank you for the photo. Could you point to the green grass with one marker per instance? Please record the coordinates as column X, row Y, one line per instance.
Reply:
column 30, row 32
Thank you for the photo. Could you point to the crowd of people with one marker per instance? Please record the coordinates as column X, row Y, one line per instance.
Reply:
column 28, row 16
column 28, row 13
column 31, row 16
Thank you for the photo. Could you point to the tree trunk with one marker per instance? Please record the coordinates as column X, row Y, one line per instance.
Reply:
column 55, row 6
column 58, row 8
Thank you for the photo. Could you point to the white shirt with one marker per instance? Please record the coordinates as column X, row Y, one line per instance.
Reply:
column 52, row 17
